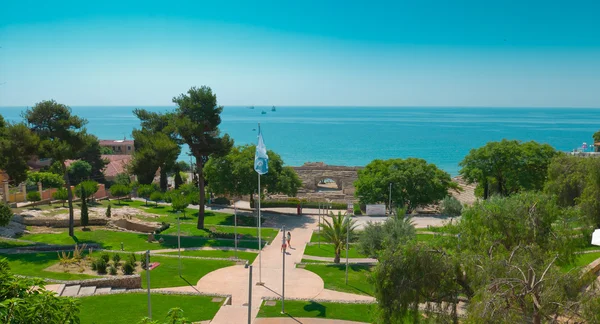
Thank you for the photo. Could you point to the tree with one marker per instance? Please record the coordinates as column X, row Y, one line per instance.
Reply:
column 123, row 179
column 62, row 138
column 507, row 167
column 48, row 179
column 183, row 166
column 451, row 207
column 120, row 191
column 568, row 177
column 234, row 174
column 92, row 154
column 178, row 180
column 197, row 119
column 17, row 146
column 61, row 194
column 145, row 191
column 19, row 304
column 79, row 171
column 335, row 232
column 34, row 196
column 414, row 183
column 105, row 150
column 596, row 137
column 84, row 208
column 156, row 197
column 108, row 211
column 179, row 203
column 86, row 189
column 6, row 214
column 375, row 237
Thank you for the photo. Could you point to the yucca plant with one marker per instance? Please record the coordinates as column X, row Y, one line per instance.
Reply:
column 334, row 232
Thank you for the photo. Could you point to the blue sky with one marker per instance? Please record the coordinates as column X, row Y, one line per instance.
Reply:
column 359, row 53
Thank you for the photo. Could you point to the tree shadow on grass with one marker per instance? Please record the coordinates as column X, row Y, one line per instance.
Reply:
column 314, row 306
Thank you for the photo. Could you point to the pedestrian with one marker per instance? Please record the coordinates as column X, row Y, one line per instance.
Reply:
column 289, row 238
column 283, row 247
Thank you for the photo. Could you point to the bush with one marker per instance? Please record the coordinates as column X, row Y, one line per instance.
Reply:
column 450, row 206
column 93, row 265
column 105, row 257
column 6, row 214
column 101, row 266
column 357, row 210
column 116, row 258
column 132, row 259
column 156, row 197
column 108, row 211
column 112, row 270
column 143, row 263
column 221, row 201
column 34, row 196
column 128, row 268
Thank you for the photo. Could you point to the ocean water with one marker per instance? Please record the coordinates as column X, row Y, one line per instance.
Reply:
column 353, row 136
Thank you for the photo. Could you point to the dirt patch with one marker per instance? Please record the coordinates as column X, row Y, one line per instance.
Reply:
column 85, row 267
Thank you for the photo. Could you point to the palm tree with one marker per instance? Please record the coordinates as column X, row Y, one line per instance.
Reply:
column 335, row 231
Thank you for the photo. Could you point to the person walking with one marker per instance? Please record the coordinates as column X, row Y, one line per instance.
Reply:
column 283, row 246
column 289, row 239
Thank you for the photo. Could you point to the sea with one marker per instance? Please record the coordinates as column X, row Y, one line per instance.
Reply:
column 354, row 136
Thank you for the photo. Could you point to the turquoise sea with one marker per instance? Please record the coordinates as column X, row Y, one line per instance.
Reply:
column 354, row 136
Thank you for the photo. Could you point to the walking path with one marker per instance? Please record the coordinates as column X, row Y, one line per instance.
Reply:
column 299, row 283
column 350, row 260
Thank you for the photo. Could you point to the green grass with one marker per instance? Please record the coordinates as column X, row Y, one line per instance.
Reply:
column 111, row 240
column 425, row 238
column 167, row 273
column 334, row 277
column 169, row 216
column 298, row 309
column 7, row 244
column 218, row 254
column 315, row 237
column 582, row 261
column 131, row 308
column 434, row 229
column 33, row 264
column 327, row 250
column 313, row 261
column 187, row 229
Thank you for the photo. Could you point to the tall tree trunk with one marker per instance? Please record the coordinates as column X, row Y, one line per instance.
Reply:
column 163, row 178
column 486, row 189
column 70, row 200
column 338, row 252
column 199, row 168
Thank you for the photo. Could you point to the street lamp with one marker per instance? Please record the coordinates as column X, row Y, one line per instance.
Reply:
column 179, row 242
column 347, row 242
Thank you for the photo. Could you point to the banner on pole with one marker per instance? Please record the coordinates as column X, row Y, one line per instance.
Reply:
column 261, row 159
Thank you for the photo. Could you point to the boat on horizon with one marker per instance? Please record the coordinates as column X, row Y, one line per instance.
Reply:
column 251, row 107
column 263, row 112
column 273, row 108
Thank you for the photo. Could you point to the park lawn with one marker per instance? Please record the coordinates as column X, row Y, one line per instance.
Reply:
column 7, row 244
column 169, row 216
column 327, row 250
column 582, row 260
column 425, row 238
column 334, row 277
column 131, row 308
column 218, row 254
column 188, row 229
column 33, row 265
column 313, row 261
column 300, row 308
column 315, row 237
column 111, row 240
column 167, row 273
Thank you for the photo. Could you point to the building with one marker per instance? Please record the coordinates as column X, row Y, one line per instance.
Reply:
column 117, row 164
column 119, row 147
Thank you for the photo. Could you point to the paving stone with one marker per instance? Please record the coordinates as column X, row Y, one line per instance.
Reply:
column 103, row 290
column 270, row 303
column 87, row 291
column 217, row 300
column 71, row 291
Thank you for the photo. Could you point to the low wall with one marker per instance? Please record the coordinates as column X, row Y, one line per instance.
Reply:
column 47, row 194
column 129, row 282
column 133, row 226
column 53, row 222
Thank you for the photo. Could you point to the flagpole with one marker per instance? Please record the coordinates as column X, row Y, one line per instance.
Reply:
column 260, row 282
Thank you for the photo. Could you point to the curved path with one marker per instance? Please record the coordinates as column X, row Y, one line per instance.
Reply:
column 299, row 283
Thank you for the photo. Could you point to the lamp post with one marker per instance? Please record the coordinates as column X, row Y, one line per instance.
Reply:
column 179, row 242
column 148, row 283
column 347, row 242
column 235, row 237
column 283, row 273
column 319, row 224
column 249, row 292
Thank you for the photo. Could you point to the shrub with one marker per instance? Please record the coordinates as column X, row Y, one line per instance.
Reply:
column 34, row 196
column 93, row 265
column 112, row 270
column 156, row 197
column 143, row 263
column 132, row 259
column 101, row 266
column 128, row 268
column 116, row 258
column 357, row 210
column 221, row 201
column 61, row 194
column 105, row 257
column 450, row 206
column 108, row 211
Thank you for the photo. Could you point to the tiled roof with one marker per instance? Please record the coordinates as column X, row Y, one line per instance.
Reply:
column 117, row 163
column 116, row 142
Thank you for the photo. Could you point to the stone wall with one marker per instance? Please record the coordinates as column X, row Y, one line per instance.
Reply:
column 130, row 225
column 129, row 282
column 55, row 222
column 312, row 173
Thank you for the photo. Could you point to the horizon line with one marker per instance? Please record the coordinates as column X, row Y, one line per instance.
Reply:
column 333, row 106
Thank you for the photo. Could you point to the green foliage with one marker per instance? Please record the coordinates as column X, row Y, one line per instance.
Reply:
column 61, row 194
column 92, row 154
column 196, row 121
column 373, row 184
column 120, row 191
column 356, row 209
column 19, row 304
column 375, row 237
column 109, row 211
column 79, row 171
column 179, row 202
column 568, row 176
column 34, row 196
column 178, row 180
column 86, row 189
column 101, row 266
column 6, row 214
column 596, row 136
column 17, row 146
column 451, row 207
column 507, row 167
column 146, row 190
column 222, row 201
column 336, row 231
column 123, row 179
column 116, row 258
column 128, row 268
column 156, row 197
column 104, row 256
column 105, row 150
column 174, row 316
column 184, row 166
column 132, row 259
column 112, row 270
column 48, row 179
column 234, row 174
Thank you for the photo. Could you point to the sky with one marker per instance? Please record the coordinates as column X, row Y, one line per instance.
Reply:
column 505, row 53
